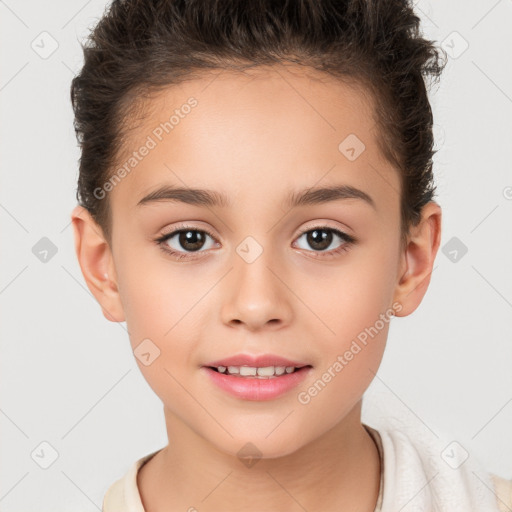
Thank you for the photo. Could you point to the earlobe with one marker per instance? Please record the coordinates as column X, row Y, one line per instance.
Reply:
column 418, row 259
column 97, row 264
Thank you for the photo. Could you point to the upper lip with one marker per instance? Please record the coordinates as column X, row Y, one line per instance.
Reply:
column 259, row 361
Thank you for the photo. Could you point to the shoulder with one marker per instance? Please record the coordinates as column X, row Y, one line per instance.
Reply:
column 123, row 495
column 412, row 459
column 114, row 499
column 503, row 491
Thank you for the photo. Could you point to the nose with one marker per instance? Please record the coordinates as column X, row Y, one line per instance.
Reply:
column 255, row 293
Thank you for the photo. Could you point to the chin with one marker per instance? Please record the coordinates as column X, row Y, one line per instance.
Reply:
column 251, row 449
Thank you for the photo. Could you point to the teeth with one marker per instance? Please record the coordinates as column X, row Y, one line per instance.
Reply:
column 248, row 370
column 251, row 371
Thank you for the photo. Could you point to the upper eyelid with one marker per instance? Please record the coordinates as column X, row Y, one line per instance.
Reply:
column 323, row 226
column 317, row 225
column 174, row 231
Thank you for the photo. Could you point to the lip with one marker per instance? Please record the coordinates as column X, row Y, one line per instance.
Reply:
column 260, row 361
column 253, row 388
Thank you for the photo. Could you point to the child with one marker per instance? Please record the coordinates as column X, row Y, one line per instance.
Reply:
column 255, row 197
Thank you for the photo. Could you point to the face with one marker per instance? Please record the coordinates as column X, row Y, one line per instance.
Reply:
column 313, row 282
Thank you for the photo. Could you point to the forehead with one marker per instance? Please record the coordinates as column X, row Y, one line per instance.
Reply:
column 234, row 132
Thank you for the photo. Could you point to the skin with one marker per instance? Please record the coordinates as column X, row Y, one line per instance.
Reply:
column 256, row 137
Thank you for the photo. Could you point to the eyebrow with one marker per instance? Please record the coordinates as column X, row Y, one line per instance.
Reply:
column 210, row 198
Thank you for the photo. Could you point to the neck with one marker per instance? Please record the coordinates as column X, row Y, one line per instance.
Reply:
column 338, row 471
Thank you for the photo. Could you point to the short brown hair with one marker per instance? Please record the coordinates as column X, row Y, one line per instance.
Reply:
column 143, row 45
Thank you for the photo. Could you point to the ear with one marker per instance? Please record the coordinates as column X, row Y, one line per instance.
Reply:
column 97, row 264
column 418, row 259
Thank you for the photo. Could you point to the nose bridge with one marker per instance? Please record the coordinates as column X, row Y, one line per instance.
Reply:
column 257, row 295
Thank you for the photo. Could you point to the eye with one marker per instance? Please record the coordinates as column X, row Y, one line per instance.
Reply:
column 187, row 238
column 181, row 243
column 321, row 238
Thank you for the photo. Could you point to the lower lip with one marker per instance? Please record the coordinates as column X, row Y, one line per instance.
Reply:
column 253, row 388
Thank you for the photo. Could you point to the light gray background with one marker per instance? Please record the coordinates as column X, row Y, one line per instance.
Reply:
column 68, row 375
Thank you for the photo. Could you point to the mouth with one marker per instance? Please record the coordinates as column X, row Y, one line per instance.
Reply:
column 257, row 383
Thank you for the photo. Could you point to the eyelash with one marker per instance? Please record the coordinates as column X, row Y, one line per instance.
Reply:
column 160, row 241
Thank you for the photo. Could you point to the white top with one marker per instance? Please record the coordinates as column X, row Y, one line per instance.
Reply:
column 398, row 486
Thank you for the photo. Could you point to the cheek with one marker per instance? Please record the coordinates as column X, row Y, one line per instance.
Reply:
column 349, row 357
column 159, row 310
column 351, row 298
column 156, row 294
column 353, row 304
column 164, row 307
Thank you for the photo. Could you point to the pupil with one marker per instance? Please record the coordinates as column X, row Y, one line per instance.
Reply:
column 189, row 240
column 320, row 239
